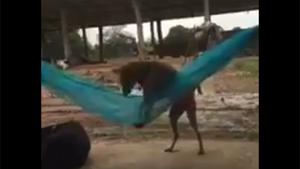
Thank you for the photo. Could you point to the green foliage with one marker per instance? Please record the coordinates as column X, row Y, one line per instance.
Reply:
column 118, row 43
column 178, row 42
column 53, row 48
column 248, row 66
column 177, row 36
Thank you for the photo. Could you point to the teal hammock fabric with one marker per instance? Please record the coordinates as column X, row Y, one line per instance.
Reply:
column 112, row 106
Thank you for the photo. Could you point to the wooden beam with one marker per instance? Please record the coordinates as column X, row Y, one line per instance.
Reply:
column 206, row 11
column 138, row 16
column 64, row 31
column 85, row 42
column 100, row 39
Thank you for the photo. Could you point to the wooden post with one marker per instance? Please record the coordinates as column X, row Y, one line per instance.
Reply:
column 42, row 43
column 153, row 43
column 141, row 45
column 159, row 32
column 206, row 11
column 152, row 33
column 64, row 30
column 100, row 40
column 85, row 43
column 160, row 39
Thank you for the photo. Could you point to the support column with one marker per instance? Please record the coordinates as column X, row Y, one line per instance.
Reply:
column 206, row 11
column 64, row 30
column 141, row 44
column 159, row 32
column 153, row 43
column 100, row 40
column 160, row 39
column 85, row 42
column 43, row 43
column 152, row 34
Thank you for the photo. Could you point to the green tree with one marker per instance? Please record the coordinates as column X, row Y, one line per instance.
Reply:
column 53, row 48
column 176, row 42
column 118, row 43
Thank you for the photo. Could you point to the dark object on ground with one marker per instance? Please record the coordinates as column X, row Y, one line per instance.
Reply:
column 64, row 146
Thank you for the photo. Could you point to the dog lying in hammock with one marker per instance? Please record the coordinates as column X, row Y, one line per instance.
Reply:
column 155, row 77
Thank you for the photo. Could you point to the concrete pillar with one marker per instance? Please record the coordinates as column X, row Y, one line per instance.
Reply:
column 206, row 11
column 64, row 30
column 160, row 39
column 85, row 42
column 100, row 39
column 159, row 32
column 141, row 44
column 152, row 33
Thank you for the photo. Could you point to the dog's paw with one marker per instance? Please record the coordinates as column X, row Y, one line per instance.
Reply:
column 201, row 152
column 169, row 150
column 139, row 125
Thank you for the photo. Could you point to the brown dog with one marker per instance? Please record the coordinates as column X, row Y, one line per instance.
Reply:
column 155, row 77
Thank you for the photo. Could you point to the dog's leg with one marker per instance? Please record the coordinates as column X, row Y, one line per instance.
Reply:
column 191, row 114
column 175, row 113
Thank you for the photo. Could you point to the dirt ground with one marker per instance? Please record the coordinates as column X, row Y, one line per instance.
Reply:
column 230, row 130
column 150, row 155
column 232, row 79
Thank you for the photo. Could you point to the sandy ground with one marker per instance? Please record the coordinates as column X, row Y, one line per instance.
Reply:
column 150, row 155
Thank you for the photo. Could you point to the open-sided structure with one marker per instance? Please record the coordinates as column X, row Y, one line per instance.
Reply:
column 73, row 14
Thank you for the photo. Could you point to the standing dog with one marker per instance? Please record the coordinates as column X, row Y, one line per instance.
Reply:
column 155, row 77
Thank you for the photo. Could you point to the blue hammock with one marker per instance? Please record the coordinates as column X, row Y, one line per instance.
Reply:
column 114, row 107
